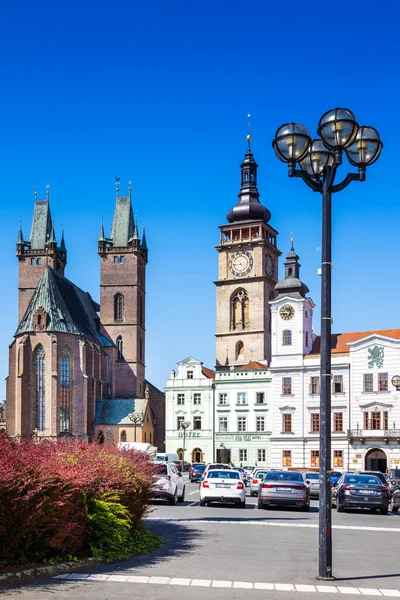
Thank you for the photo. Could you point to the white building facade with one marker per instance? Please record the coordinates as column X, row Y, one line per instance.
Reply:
column 189, row 398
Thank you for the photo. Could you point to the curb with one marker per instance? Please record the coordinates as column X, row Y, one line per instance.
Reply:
column 51, row 570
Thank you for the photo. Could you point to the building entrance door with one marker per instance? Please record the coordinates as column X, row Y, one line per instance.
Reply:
column 375, row 460
column 197, row 455
column 223, row 455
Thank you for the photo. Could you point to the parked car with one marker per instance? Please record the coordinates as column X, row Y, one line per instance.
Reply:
column 312, row 478
column 243, row 474
column 360, row 490
column 213, row 466
column 284, row 488
column 381, row 476
column 394, row 478
column 168, row 483
column 223, row 485
column 196, row 471
column 178, row 463
column 395, row 500
column 255, row 481
column 335, row 476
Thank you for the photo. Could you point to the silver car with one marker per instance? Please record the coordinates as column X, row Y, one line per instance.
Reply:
column 255, row 481
column 312, row 478
column 284, row 488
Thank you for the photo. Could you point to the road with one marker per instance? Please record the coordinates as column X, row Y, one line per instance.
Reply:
column 221, row 552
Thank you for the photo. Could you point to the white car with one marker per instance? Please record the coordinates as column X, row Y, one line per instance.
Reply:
column 223, row 485
column 168, row 483
column 255, row 481
column 212, row 466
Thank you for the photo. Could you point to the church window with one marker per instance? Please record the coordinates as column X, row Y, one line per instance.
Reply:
column 118, row 307
column 40, row 388
column 122, row 259
column 287, row 338
column 122, row 437
column 65, row 391
column 39, row 261
column 240, row 310
column 100, row 438
column 116, row 259
column 239, row 350
column 290, row 272
column 120, row 348
column 32, row 261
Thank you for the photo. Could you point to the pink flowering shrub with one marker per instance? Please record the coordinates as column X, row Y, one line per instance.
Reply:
column 48, row 490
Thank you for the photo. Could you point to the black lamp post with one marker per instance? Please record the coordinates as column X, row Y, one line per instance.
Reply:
column 319, row 160
column 184, row 425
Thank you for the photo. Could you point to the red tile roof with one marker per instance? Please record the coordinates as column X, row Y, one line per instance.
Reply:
column 208, row 373
column 253, row 366
column 340, row 341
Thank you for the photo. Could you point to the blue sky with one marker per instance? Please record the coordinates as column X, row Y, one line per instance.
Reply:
column 158, row 93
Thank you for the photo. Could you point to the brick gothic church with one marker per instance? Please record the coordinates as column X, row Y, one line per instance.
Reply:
column 76, row 367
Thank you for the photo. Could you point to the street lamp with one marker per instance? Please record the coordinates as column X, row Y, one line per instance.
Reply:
column 396, row 382
column 136, row 419
column 184, row 425
column 319, row 160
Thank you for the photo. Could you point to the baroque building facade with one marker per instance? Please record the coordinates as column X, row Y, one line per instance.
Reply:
column 77, row 368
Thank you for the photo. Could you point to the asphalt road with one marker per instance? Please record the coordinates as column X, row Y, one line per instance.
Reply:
column 221, row 552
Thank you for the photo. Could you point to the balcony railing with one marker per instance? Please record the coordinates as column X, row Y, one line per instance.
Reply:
column 373, row 433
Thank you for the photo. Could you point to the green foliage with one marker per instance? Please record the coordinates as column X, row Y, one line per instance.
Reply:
column 143, row 541
column 110, row 525
column 59, row 559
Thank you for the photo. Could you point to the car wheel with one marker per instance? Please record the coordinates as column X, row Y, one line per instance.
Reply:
column 395, row 509
column 305, row 508
column 384, row 510
column 172, row 500
column 242, row 504
column 182, row 498
column 339, row 508
column 202, row 503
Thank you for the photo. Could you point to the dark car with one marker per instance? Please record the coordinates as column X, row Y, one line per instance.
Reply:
column 335, row 476
column 178, row 464
column 196, row 472
column 360, row 490
column 394, row 478
column 284, row 488
column 395, row 500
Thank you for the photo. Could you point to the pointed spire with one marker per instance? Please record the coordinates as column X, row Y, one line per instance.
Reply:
column 41, row 223
column 143, row 244
column 102, row 236
column 20, row 239
column 62, row 245
column 135, row 232
column 249, row 207
column 291, row 285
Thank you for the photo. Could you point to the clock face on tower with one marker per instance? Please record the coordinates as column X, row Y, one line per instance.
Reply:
column 286, row 312
column 240, row 263
column 269, row 265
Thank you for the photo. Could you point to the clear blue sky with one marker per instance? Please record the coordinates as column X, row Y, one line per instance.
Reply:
column 158, row 92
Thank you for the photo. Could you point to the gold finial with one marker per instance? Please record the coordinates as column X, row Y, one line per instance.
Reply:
column 248, row 137
column 292, row 240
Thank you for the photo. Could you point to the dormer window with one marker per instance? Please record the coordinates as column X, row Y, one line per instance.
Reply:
column 190, row 374
column 40, row 320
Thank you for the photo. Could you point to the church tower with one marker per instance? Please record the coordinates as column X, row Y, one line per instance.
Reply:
column 123, row 259
column 247, row 275
column 39, row 252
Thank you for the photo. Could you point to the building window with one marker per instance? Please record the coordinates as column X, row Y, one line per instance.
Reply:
column 261, row 455
column 196, row 398
column 197, row 423
column 306, row 335
column 240, row 310
column 287, row 458
column 260, row 424
column 338, row 458
column 100, row 438
column 65, row 391
column 122, row 259
column 314, row 424
column 287, row 423
column 241, row 398
column 179, row 420
column 337, row 421
column 120, row 348
column 314, row 386
column 383, row 382
column 118, row 307
column 115, row 259
column 286, row 386
column 223, row 424
column 189, row 375
column 315, row 458
column 286, row 338
column 40, row 388
column 243, row 455
column 32, row 261
column 180, row 399
column 241, row 424
column 39, row 261
column 260, row 398
column 376, row 420
column 122, row 437
column 337, row 384
column 368, row 382
column 223, row 399
column 239, row 350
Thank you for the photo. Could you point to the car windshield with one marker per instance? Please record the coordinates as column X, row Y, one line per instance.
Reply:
column 210, row 467
column 335, row 474
column 283, row 476
column 160, row 470
column 239, row 469
column 223, row 475
column 378, row 475
column 362, row 479
column 312, row 475
column 199, row 468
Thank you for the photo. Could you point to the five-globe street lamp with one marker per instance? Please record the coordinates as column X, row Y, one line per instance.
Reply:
column 136, row 418
column 319, row 160
column 184, row 425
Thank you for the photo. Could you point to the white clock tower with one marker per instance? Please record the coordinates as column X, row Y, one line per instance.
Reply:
column 247, row 275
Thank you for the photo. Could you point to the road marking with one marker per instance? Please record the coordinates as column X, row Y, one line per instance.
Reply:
column 192, row 504
column 191, row 493
column 274, row 524
column 216, row 583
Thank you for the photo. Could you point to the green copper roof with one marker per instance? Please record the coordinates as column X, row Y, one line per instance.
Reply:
column 69, row 309
column 41, row 225
column 115, row 411
column 123, row 224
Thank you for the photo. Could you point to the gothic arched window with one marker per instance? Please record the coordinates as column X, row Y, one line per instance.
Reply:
column 65, row 391
column 118, row 307
column 40, row 388
column 240, row 310
column 120, row 348
column 122, row 437
column 239, row 350
column 100, row 438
